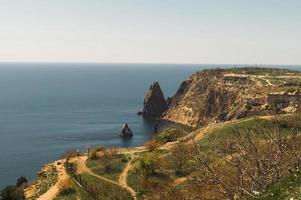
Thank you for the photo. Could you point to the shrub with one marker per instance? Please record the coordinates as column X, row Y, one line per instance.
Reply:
column 93, row 154
column 72, row 153
column 22, row 180
column 168, row 135
column 107, row 158
column 247, row 163
column 124, row 159
column 148, row 164
column 65, row 185
column 182, row 158
column 152, row 144
column 100, row 148
column 12, row 192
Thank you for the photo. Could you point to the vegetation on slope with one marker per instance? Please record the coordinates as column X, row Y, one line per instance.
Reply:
column 238, row 160
column 69, row 190
column 14, row 192
column 106, row 190
column 48, row 177
column 286, row 189
column 109, row 166
column 263, row 71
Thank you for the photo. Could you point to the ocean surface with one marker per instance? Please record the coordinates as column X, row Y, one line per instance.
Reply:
column 46, row 109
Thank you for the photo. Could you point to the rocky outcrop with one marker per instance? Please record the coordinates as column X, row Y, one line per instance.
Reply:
column 284, row 98
column 218, row 95
column 154, row 102
column 126, row 131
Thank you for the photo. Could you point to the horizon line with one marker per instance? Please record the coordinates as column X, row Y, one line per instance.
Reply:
column 142, row 63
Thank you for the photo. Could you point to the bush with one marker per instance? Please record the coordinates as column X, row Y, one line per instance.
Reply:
column 152, row 144
column 93, row 152
column 65, row 185
column 105, row 155
column 182, row 159
column 168, row 135
column 100, row 148
column 12, row 192
column 22, row 180
column 148, row 164
column 72, row 153
column 107, row 158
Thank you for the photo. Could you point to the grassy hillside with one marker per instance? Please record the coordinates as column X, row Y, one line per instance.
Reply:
column 241, row 159
column 286, row 189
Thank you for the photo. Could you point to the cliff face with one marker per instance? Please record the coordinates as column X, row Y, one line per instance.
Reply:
column 218, row 95
column 154, row 102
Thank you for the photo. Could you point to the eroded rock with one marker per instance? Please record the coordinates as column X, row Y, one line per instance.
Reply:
column 154, row 102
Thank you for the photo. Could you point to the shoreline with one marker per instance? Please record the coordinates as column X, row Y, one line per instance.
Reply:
column 163, row 124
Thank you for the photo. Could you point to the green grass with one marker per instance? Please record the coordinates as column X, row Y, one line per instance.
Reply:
column 118, row 162
column 225, row 132
column 106, row 190
column 142, row 187
column 229, row 131
column 289, row 187
column 75, row 192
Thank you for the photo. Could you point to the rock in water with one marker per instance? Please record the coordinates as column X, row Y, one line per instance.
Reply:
column 154, row 102
column 126, row 131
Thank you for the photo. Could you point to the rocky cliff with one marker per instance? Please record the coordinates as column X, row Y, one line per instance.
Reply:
column 221, row 95
column 154, row 102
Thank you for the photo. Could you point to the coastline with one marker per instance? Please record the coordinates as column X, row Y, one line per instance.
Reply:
column 163, row 124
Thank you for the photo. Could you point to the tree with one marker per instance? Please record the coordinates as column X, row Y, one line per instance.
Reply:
column 106, row 158
column 152, row 144
column 12, row 192
column 168, row 135
column 250, row 161
column 148, row 164
column 22, row 180
column 182, row 158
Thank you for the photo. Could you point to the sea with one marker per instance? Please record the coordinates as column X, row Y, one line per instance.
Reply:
column 49, row 108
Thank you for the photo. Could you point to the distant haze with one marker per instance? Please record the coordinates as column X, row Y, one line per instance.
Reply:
column 151, row 31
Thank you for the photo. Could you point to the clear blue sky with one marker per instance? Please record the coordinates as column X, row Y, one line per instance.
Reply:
column 151, row 31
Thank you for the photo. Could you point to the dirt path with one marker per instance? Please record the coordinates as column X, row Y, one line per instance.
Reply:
column 265, row 78
column 54, row 190
column 123, row 178
column 82, row 168
column 134, row 150
column 200, row 133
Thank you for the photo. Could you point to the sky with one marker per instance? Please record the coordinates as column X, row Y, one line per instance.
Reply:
column 151, row 31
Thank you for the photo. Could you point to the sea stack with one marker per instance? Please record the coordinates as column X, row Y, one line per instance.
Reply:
column 126, row 131
column 154, row 102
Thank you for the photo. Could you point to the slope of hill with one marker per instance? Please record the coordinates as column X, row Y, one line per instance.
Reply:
column 220, row 95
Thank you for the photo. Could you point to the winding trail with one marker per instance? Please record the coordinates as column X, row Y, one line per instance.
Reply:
column 123, row 178
column 122, row 182
column 82, row 168
column 199, row 135
column 54, row 190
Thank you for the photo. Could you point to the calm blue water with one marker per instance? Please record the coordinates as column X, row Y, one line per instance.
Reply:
column 46, row 109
